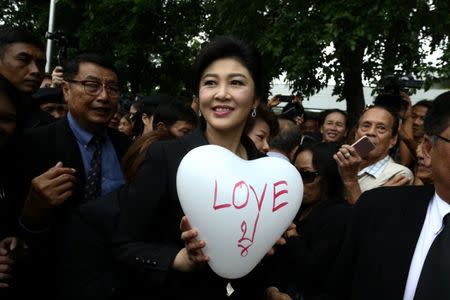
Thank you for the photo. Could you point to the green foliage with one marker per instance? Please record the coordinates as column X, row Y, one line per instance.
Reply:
column 312, row 42
column 345, row 41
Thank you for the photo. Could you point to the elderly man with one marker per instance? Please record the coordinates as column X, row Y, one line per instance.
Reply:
column 398, row 242
column 73, row 161
column 375, row 168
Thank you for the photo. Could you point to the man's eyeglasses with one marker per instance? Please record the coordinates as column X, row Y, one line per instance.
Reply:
column 94, row 88
column 443, row 138
column 308, row 176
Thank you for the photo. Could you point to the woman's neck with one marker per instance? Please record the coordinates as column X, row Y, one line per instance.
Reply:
column 230, row 140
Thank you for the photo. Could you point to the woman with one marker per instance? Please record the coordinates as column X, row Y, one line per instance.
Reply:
column 147, row 241
column 262, row 127
column 126, row 125
column 321, row 223
column 334, row 126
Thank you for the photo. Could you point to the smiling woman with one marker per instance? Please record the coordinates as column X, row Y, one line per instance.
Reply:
column 147, row 238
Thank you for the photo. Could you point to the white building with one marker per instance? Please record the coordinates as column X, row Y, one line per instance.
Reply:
column 324, row 100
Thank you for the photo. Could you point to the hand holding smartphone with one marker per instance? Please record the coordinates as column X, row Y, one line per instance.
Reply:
column 363, row 146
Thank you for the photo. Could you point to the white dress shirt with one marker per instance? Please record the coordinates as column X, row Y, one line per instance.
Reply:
column 432, row 226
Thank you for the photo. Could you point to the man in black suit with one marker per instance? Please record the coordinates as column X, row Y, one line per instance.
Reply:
column 72, row 161
column 390, row 244
column 22, row 62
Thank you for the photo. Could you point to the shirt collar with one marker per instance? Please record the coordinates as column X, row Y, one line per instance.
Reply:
column 376, row 168
column 439, row 208
column 83, row 136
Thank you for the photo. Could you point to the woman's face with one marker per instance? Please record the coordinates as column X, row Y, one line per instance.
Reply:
column 260, row 135
column 125, row 126
column 333, row 128
column 304, row 164
column 226, row 96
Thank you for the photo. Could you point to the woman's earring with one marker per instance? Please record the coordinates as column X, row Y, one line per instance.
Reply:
column 199, row 113
column 253, row 112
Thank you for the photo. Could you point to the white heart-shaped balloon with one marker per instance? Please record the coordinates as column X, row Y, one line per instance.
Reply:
column 239, row 207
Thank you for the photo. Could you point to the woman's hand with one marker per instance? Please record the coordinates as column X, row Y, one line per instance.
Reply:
column 191, row 257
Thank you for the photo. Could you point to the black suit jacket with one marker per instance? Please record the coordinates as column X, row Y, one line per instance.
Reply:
column 308, row 259
column 44, row 147
column 147, row 238
column 380, row 243
column 88, row 265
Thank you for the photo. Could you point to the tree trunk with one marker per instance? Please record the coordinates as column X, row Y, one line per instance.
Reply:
column 351, row 62
column 353, row 94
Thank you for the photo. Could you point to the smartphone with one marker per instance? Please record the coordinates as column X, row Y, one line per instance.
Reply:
column 363, row 146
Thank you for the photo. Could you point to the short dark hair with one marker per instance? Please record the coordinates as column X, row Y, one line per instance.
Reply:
column 394, row 115
column 288, row 136
column 11, row 35
column 437, row 118
column 72, row 66
column 324, row 114
column 229, row 47
column 266, row 115
column 424, row 103
column 173, row 111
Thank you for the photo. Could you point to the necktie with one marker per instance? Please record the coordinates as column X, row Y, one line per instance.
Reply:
column 434, row 281
column 93, row 186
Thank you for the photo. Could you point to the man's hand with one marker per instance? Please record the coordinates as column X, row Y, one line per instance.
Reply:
column 349, row 161
column 10, row 249
column 57, row 76
column 48, row 190
column 272, row 293
column 274, row 101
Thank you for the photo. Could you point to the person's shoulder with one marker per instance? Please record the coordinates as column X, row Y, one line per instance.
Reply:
column 397, row 168
column 45, row 129
column 119, row 137
column 382, row 197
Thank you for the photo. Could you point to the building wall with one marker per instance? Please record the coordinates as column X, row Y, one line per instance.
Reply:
column 324, row 100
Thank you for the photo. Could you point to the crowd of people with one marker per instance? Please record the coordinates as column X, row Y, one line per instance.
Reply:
column 89, row 207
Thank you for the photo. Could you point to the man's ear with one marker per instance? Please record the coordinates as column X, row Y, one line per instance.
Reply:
column 65, row 89
column 393, row 141
column 427, row 150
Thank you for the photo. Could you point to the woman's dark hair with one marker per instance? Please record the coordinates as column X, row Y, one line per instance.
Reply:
column 135, row 155
column 326, row 113
column 266, row 115
column 331, row 185
column 229, row 47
